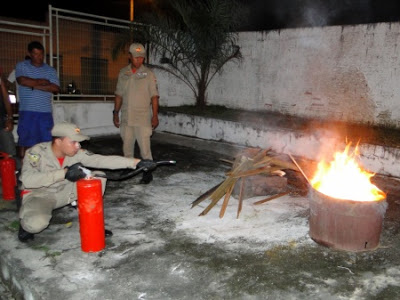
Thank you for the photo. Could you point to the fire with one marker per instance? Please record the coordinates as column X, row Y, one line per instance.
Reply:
column 343, row 178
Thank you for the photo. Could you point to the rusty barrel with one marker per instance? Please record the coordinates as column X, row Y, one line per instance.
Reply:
column 346, row 224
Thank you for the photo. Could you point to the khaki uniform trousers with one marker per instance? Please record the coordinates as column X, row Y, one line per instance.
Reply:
column 130, row 134
column 37, row 206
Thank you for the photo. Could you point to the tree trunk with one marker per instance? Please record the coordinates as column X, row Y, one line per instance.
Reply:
column 201, row 99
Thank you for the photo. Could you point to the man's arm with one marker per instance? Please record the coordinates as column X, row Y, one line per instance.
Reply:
column 117, row 108
column 6, row 100
column 39, row 84
column 50, row 87
column 154, row 105
column 32, row 175
column 111, row 162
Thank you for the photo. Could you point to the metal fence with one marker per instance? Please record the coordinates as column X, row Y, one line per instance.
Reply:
column 14, row 40
column 78, row 45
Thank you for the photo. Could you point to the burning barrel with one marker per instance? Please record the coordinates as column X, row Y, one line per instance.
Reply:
column 346, row 224
column 346, row 209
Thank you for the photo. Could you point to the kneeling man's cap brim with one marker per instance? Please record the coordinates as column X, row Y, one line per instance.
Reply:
column 69, row 130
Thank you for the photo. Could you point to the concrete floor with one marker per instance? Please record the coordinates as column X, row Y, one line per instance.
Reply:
column 162, row 249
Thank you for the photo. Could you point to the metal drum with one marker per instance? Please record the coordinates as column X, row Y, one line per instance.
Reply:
column 346, row 224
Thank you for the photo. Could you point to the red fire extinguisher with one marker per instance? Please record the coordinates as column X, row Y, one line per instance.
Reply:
column 8, row 177
column 91, row 214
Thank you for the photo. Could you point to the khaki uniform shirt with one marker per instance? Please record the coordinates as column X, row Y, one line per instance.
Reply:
column 41, row 170
column 136, row 90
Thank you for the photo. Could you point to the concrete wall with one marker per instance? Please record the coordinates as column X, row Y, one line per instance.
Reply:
column 347, row 73
column 95, row 119
column 312, row 145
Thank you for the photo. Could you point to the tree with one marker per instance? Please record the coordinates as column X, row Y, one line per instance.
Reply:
column 194, row 41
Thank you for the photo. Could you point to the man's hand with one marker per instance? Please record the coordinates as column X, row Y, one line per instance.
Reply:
column 147, row 165
column 42, row 81
column 9, row 125
column 74, row 173
column 154, row 122
column 116, row 120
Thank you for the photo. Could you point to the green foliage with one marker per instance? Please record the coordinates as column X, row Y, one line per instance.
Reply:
column 14, row 225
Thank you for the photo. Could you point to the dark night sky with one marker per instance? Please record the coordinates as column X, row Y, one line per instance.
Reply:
column 263, row 14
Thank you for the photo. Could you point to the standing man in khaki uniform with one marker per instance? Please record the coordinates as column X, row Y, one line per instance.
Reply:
column 136, row 96
column 50, row 171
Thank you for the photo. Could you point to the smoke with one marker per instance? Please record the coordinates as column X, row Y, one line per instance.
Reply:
column 317, row 15
column 310, row 13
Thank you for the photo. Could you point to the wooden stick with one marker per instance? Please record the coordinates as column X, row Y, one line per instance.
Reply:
column 221, row 190
column 226, row 200
column 218, row 193
column 264, row 161
column 270, row 198
column 205, row 195
column 283, row 164
column 291, row 157
column 208, row 208
column 259, row 156
column 226, row 161
column 241, row 194
column 224, row 187
column 251, row 172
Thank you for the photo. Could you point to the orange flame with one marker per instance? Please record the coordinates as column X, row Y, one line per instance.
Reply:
column 343, row 178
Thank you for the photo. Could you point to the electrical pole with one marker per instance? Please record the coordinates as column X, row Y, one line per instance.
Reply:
column 132, row 10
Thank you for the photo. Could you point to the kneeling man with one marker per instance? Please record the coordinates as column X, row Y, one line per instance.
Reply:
column 50, row 171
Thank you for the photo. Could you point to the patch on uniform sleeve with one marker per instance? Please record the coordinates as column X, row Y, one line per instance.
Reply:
column 34, row 159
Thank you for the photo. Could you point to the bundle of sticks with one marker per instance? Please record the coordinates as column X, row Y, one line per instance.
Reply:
column 245, row 165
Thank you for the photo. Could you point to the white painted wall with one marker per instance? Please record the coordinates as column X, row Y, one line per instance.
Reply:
column 315, row 145
column 347, row 73
column 95, row 119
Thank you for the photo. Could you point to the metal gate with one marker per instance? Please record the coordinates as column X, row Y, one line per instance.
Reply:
column 78, row 45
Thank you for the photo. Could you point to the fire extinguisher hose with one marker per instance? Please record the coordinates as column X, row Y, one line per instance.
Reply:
column 126, row 174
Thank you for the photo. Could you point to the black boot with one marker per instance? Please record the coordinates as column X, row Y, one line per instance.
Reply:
column 24, row 236
column 108, row 233
column 147, row 178
column 18, row 198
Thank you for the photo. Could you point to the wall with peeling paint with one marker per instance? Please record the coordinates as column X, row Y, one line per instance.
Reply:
column 95, row 119
column 346, row 73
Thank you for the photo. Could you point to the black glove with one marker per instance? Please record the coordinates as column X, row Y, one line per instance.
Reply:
column 74, row 173
column 147, row 165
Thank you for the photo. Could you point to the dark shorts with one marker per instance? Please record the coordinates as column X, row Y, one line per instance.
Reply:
column 34, row 127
